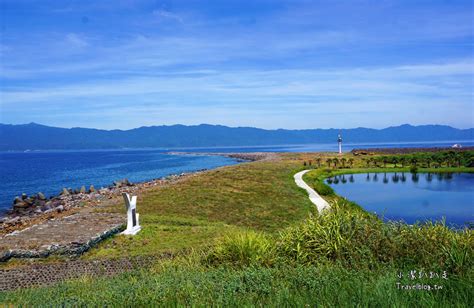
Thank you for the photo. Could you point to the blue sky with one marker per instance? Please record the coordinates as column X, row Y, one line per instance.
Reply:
column 270, row 64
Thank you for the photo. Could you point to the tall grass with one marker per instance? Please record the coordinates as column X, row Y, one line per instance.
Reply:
column 243, row 249
column 352, row 238
column 356, row 240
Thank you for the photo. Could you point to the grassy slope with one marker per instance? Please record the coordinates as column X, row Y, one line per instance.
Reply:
column 192, row 213
column 299, row 286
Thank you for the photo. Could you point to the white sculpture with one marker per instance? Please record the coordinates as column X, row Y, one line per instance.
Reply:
column 133, row 227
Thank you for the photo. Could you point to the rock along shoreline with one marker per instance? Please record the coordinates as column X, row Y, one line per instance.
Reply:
column 29, row 209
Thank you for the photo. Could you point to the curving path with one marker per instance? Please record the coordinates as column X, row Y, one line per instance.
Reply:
column 320, row 203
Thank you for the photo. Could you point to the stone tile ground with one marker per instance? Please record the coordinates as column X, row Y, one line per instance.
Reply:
column 68, row 235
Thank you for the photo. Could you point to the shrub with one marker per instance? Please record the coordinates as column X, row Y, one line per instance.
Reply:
column 352, row 238
column 323, row 189
column 317, row 183
column 243, row 249
column 433, row 245
column 348, row 237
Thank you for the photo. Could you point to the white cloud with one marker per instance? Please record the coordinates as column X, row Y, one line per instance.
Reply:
column 163, row 14
column 76, row 40
column 409, row 82
column 312, row 56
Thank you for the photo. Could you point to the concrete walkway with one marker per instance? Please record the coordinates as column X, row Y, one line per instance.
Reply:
column 320, row 203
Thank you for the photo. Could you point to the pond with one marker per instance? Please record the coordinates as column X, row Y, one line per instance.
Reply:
column 411, row 197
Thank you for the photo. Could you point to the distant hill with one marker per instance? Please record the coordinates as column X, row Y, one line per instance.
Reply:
column 40, row 137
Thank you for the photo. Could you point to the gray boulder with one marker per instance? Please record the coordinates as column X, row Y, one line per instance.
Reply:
column 17, row 200
column 82, row 190
column 46, row 207
column 39, row 203
column 55, row 203
column 20, row 205
column 41, row 196
column 122, row 183
column 64, row 192
column 29, row 201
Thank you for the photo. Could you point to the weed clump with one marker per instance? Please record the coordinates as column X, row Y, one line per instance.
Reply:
column 349, row 237
column 354, row 239
column 323, row 189
column 243, row 249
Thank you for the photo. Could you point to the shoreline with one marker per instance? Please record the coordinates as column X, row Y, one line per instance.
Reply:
column 240, row 156
column 326, row 174
column 67, row 204
column 70, row 201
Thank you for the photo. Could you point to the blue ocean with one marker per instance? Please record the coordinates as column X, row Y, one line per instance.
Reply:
column 50, row 171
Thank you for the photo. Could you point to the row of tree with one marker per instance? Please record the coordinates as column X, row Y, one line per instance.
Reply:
column 426, row 159
column 429, row 160
column 332, row 162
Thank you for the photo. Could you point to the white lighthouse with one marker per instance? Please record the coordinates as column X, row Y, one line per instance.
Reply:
column 339, row 141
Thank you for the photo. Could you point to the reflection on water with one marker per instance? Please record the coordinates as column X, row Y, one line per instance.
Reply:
column 393, row 177
column 411, row 197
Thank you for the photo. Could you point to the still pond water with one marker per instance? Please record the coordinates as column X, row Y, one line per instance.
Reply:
column 411, row 197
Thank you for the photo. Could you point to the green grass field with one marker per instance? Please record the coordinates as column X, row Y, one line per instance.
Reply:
column 295, row 286
column 250, row 237
column 193, row 213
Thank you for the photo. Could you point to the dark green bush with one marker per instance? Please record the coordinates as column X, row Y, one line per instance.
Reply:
column 323, row 189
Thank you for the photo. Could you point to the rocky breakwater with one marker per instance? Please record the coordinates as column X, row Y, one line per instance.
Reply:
column 254, row 156
column 27, row 208
column 240, row 156
column 70, row 223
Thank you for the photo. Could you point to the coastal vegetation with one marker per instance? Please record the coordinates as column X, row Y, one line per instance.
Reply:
column 248, row 236
column 429, row 160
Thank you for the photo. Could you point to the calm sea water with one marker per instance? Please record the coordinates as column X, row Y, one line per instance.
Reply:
column 329, row 147
column 50, row 171
column 411, row 198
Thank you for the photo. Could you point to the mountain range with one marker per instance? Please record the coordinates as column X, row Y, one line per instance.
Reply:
column 35, row 136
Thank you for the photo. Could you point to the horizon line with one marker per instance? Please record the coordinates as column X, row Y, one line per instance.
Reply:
column 222, row 125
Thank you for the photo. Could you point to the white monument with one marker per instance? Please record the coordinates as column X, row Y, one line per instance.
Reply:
column 339, row 141
column 133, row 227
